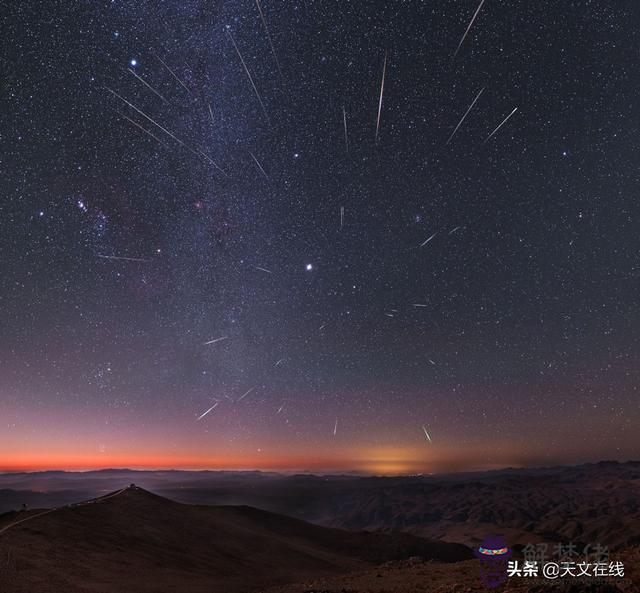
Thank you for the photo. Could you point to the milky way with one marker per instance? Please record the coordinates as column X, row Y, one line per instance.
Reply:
column 177, row 173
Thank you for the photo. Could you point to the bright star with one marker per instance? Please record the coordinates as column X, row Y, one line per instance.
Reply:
column 134, row 62
column 309, row 267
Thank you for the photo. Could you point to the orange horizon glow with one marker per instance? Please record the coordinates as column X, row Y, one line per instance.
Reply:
column 383, row 461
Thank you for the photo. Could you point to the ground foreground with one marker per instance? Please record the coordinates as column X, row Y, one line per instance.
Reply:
column 134, row 541
column 414, row 576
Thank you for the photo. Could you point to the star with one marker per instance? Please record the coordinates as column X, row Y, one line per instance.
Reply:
column 148, row 250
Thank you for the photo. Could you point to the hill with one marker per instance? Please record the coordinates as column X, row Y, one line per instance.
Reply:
column 133, row 540
column 591, row 503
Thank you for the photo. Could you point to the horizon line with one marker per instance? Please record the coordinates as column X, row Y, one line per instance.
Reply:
column 308, row 471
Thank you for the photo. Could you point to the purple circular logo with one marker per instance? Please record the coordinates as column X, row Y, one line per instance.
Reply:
column 493, row 554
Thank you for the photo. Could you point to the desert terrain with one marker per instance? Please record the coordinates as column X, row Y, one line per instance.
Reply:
column 300, row 533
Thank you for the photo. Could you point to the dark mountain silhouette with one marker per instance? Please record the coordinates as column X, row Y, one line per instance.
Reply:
column 133, row 540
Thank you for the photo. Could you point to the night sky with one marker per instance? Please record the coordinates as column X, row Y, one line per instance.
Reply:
column 392, row 298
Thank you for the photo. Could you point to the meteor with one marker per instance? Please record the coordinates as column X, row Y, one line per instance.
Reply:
column 186, row 88
column 346, row 137
column 214, row 341
column 504, row 121
column 143, row 114
column 468, row 28
column 384, row 71
column 145, row 83
column 137, row 125
column 253, row 84
column 209, row 410
column 429, row 239
column 259, row 165
column 464, row 116
column 245, row 394
column 118, row 257
column 155, row 123
column 266, row 30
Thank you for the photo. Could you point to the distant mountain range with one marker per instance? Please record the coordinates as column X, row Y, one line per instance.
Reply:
column 588, row 503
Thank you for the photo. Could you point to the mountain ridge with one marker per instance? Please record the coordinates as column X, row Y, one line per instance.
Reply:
column 133, row 539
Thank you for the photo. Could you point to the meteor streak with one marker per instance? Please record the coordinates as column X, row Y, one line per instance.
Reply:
column 266, row 30
column 468, row 28
column 253, row 84
column 117, row 257
column 143, row 114
column 186, row 88
column 137, row 125
column 346, row 137
column 259, row 165
column 214, row 341
column 209, row 410
column 504, row 121
column 384, row 71
column 245, row 394
column 155, row 123
column 464, row 116
column 145, row 83
column 429, row 239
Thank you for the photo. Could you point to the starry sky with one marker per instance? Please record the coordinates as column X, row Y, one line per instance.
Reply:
column 301, row 214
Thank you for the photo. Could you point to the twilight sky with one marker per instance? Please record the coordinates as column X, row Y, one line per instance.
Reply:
column 198, row 210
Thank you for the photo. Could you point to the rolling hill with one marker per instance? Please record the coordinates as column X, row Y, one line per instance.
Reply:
column 133, row 540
